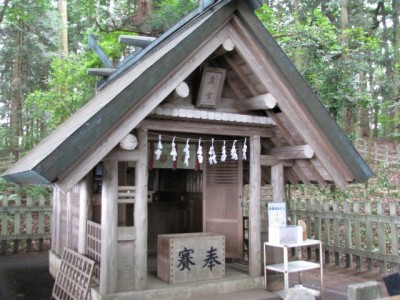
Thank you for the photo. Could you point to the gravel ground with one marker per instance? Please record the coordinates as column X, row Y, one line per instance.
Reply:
column 25, row 276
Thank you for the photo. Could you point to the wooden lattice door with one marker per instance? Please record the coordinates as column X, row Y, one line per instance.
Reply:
column 222, row 207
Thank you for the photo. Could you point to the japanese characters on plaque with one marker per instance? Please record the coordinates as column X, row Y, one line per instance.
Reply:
column 211, row 85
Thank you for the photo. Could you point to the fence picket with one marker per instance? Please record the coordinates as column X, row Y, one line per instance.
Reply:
column 347, row 231
column 327, row 231
column 336, row 232
column 394, row 236
column 357, row 234
column 381, row 237
column 17, row 223
column 368, row 230
column 18, row 217
column 4, row 224
column 29, row 203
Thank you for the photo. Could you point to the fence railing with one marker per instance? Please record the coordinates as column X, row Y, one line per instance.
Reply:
column 24, row 223
column 389, row 154
column 356, row 234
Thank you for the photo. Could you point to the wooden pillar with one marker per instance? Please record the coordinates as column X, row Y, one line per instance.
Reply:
column 275, row 255
column 109, row 215
column 255, row 261
column 277, row 181
column 56, row 222
column 85, row 210
column 141, row 213
column 68, row 225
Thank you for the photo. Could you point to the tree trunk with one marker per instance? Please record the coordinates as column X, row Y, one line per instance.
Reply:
column 348, row 114
column 396, row 37
column 62, row 4
column 16, row 95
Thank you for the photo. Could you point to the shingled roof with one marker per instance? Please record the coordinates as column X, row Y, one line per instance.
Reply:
column 140, row 85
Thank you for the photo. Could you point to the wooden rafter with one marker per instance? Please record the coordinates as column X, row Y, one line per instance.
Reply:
column 260, row 102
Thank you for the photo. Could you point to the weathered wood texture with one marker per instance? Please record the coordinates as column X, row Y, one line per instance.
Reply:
column 254, row 208
column 141, row 213
column 191, row 257
column 388, row 154
column 74, row 276
column 109, row 219
column 352, row 233
column 24, row 223
column 93, row 247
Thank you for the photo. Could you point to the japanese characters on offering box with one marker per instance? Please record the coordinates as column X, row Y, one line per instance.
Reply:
column 190, row 257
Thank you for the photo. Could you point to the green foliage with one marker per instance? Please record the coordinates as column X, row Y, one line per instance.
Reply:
column 169, row 12
column 67, row 90
column 332, row 67
column 7, row 188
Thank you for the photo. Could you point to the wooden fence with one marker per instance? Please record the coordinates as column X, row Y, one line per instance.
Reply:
column 373, row 151
column 24, row 223
column 355, row 234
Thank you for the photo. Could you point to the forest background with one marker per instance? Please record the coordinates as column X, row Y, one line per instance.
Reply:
column 347, row 50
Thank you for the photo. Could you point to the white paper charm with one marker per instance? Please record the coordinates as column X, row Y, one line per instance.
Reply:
column 158, row 152
column 173, row 153
column 234, row 152
column 244, row 154
column 223, row 155
column 187, row 153
column 213, row 157
column 200, row 153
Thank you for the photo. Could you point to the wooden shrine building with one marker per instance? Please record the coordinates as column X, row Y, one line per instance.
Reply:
column 218, row 81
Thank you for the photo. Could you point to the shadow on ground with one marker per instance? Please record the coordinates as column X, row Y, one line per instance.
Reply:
column 25, row 276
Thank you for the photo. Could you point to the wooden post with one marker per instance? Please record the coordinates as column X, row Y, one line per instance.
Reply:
column 275, row 255
column 109, row 214
column 141, row 213
column 57, row 220
column 255, row 261
column 69, row 221
column 278, row 183
column 84, row 211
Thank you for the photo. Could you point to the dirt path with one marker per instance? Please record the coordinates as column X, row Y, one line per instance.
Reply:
column 25, row 276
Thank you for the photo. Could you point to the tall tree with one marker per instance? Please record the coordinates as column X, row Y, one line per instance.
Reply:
column 62, row 5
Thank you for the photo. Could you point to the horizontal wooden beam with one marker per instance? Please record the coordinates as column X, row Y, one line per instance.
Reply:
column 292, row 152
column 260, row 102
column 200, row 114
column 123, row 155
column 207, row 128
column 137, row 41
column 272, row 160
column 100, row 71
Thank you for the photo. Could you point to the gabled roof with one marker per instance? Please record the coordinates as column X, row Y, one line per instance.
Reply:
column 257, row 66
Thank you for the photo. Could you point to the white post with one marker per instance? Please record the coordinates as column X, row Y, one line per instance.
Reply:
column 255, row 261
column 109, row 215
column 141, row 213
